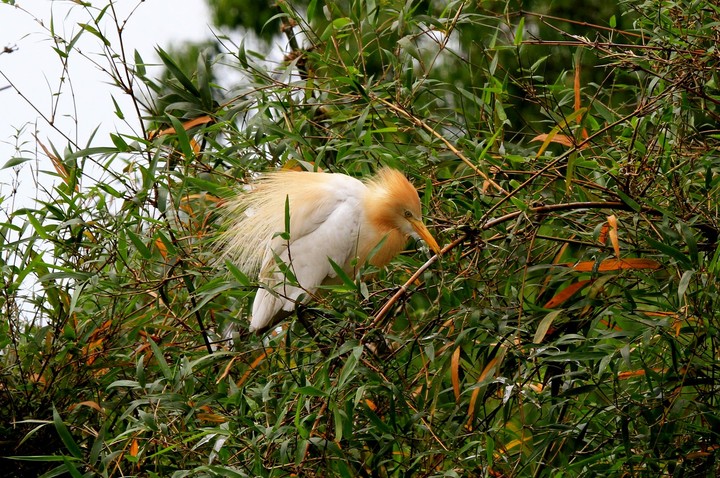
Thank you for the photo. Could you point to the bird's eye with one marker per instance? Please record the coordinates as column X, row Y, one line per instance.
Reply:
column 407, row 214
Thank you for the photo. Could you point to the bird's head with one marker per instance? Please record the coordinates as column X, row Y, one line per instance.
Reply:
column 393, row 204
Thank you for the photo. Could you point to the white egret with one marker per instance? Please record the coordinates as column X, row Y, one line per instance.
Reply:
column 332, row 217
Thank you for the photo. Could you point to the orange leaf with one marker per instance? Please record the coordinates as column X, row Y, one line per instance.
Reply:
column 565, row 294
column 371, row 405
column 134, row 448
column 658, row 313
column 253, row 366
column 637, row 373
column 455, row 372
column 186, row 125
column 161, row 247
column 211, row 417
column 614, row 265
column 563, row 139
column 473, row 398
column 88, row 403
column 603, row 233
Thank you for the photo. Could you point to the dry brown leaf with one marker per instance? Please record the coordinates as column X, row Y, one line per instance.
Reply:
column 226, row 371
column 57, row 164
column 565, row 294
column 486, row 186
column 657, row 313
column 576, row 88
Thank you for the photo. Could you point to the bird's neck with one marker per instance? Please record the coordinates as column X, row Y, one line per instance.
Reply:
column 376, row 226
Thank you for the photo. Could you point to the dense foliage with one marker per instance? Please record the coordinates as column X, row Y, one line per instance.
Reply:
column 570, row 328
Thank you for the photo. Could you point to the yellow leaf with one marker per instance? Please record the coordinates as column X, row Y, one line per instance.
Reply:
column 613, row 223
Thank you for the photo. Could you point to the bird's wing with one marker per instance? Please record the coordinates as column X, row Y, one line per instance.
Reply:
column 328, row 231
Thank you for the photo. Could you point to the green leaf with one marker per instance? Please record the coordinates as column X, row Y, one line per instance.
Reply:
column 139, row 64
column 346, row 375
column 39, row 228
column 15, row 162
column 629, row 201
column 519, row 31
column 118, row 111
column 684, row 283
column 95, row 32
column 669, row 250
column 160, row 357
column 544, row 326
column 139, row 244
column 183, row 139
column 176, row 72
column 65, row 435
column 310, row 391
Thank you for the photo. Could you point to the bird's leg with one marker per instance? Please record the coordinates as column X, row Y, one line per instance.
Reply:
column 302, row 315
column 301, row 309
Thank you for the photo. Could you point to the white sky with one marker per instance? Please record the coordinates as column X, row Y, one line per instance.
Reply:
column 35, row 69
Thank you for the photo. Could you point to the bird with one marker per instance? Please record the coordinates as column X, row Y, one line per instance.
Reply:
column 289, row 227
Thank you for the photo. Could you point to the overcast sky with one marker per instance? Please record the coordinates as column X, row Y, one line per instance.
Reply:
column 35, row 69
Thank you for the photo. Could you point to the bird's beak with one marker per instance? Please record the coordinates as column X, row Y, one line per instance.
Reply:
column 424, row 234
